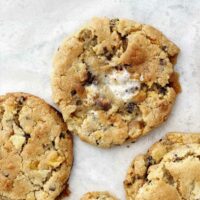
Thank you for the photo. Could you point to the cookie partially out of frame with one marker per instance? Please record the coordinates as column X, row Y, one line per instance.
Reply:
column 168, row 171
column 35, row 149
column 114, row 80
column 98, row 196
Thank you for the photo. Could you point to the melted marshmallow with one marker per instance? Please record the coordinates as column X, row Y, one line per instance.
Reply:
column 121, row 85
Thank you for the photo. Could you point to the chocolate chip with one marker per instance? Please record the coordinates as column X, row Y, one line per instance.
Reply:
column 162, row 61
column 90, row 78
column 107, row 54
column 131, row 107
column 97, row 142
column 164, row 48
column 161, row 90
column 27, row 136
column 53, row 143
column 119, row 67
column 73, row 92
column 62, row 135
column 150, row 161
column 78, row 102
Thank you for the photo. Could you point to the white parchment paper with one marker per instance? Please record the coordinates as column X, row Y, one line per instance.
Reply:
column 30, row 32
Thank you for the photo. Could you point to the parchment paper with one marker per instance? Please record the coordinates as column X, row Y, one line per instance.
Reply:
column 30, row 32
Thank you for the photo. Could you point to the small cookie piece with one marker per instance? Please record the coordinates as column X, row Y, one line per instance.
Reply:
column 98, row 196
column 35, row 149
column 114, row 80
column 169, row 170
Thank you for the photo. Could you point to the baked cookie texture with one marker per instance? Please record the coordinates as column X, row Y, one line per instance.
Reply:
column 114, row 80
column 98, row 196
column 35, row 149
column 169, row 170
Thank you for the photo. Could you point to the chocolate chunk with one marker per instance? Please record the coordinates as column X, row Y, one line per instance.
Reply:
column 131, row 107
column 90, row 78
column 73, row 92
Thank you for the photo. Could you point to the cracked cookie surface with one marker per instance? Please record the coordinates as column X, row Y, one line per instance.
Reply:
column 169, row 170
column 114, row 80
column 98, row 196
column 35, row 149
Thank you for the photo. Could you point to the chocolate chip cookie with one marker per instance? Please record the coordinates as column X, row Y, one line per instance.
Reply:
column 35, row 149
column 169, row 170
column 114, row 80
column 98, row 196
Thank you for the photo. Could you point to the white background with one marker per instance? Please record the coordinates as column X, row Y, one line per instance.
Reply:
column 30, row 32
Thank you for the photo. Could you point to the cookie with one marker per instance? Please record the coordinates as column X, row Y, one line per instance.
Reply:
column 114, row 80
column 35, row 149
column 98, row 196
column 169, row 170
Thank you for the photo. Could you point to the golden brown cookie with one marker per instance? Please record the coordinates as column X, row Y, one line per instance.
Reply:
column 168, row 171
column 35, row 149
column 114, row 80
column 98, row 196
